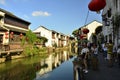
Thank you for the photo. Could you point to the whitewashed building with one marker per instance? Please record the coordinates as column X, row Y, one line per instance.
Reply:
column 111, row 21
column 91, row 27
column 54, row 37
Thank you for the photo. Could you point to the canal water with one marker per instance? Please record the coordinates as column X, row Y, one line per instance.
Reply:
column 56, row 66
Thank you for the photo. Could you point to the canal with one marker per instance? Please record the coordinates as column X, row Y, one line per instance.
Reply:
column 56, row 66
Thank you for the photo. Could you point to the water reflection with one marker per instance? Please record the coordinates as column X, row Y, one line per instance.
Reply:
column 32, row 68
column 53, row 61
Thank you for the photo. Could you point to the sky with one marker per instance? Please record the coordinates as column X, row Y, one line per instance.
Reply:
column 63, row 16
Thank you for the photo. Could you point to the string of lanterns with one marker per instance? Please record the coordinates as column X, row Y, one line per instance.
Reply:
column 12, row 35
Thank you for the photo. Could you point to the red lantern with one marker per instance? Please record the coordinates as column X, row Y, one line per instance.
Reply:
column 12, row 33
column 6, row 35
column 21, row 36
column 96, row 5
column 83, row 36
column 85, row 31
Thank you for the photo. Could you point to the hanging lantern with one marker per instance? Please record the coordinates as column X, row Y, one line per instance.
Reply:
column 97, row 5
column 85, row 31
column 6, row 35
column 11, row 35
column 82, row 36
column 21, row 36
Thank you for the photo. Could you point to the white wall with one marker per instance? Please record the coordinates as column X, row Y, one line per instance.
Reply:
column 45, row 33
column 92, row 26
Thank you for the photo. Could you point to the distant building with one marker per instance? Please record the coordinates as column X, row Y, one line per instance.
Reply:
column 54, row 38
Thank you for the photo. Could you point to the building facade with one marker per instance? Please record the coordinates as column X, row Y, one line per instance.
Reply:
column 12, row 28
column 91, row 27
column 54, row 38
column 111, row 21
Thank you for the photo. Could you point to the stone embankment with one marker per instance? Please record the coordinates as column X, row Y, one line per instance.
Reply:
column 16, row 52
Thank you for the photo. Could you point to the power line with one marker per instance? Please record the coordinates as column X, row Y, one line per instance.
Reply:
column 86, row 18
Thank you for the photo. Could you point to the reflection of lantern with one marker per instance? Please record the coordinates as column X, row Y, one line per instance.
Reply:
column 96, row 5
column 85, row 31
column 6, row 35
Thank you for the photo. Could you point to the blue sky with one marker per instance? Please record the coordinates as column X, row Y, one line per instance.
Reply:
column 63, row 16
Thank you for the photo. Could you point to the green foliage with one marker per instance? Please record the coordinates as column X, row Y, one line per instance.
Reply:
column 75, row 32
column 54, row 45
column 23, row 41
column 30, row 48
column 27, row 51
column 31, row 37
column 44, row 39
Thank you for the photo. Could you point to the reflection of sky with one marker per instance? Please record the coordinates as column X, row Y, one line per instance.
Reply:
column 63, row 69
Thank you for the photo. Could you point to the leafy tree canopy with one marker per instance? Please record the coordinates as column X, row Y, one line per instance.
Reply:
column 31, row 37
column 75, row 32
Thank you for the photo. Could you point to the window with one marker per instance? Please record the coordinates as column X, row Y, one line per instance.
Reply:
column 116, row 3
column 109, row 13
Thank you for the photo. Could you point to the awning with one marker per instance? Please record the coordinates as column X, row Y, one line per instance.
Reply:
column 17, row 29
column 3, row 28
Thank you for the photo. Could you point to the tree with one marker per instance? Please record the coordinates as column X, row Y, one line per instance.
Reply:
column 42, row 40
column 75, row 33
column 31, row 37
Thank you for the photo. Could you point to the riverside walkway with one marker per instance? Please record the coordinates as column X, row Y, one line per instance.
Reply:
column 104, row 72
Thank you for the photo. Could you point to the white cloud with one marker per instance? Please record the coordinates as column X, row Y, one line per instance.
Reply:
column 2, row 2
column 40, row 13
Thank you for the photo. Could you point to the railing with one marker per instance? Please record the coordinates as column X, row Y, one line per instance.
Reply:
column 6, row 51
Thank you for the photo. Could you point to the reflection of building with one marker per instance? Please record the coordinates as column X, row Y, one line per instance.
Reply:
column 11, row 27
column 111, row 21
column 53, row 61
column 54, row 38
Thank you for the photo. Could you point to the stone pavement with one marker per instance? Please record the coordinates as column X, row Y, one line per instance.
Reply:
column 104, row 72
